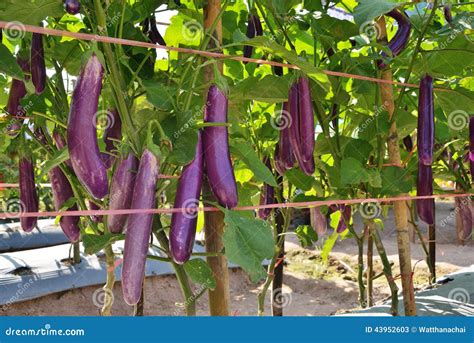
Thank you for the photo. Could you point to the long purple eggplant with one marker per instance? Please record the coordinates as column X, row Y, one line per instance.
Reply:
column 400, row 40
column 344, row 219
column 448, row 16
column 279, row 166
column 216, row 150
column 94, row 207
column 254, row 28
column 82, row 134
column 267, row 196
column 28, row 195
column 306, row 121
column 301, row 130
column 425, row 139
column 153, row 33
column 463, row 206
column 121, row 192
column 471, row 146
column 72, row 6
column 318, row 221
column 183, row 224
column 38, row 67
column 114, row 132
column 138, row 229
column 62, row 192
column 285, row 151
column 425, row 207
column 17, row 92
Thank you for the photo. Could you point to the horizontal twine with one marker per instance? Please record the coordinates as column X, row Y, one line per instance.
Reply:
column 113, row 40
column 305, row 204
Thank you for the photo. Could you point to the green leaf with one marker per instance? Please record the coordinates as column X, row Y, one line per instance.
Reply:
column 395, row 181
column 353, row 172
column 246, row 153
column 200, row 272
column 31, row 12
column 58, row 158
column 247, row 242
column 270, row 89
column 358, row 149
column 158, row 95
column 299, row 179
column 306, row 235
column 8, row 64
column 184, row 148
column 95, row 243
column 328, row 245
column 368, row 10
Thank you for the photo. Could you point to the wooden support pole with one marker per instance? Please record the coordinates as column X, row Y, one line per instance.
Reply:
column 219, row 298
column 400, row 207
column 277, row 283
column 370, row 267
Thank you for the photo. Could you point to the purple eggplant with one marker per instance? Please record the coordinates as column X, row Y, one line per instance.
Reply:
column 464, row 207
column 344, row 219
column 254, row 28
column 267, row 196
column 285, row 151
column 448, row 16
column 425, row 139
column 18, row 90
column 216, row 150
column 400, row 40
column 28, row 195
column 153, row 33
column 94, row 207
column 301, row 130
column 408, row 143
column 62, row 192
column 72, row 6
column 121, row 191
column 306, row 121
column 38, row 67
column 183, row 224
column 138, row 229
column 113, row 132
column 425, row 207
column 318, row 221
column 82, row 133
column 279, row 165
column 471, row 146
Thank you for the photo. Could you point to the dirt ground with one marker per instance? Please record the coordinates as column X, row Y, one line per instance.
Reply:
column 311, row 288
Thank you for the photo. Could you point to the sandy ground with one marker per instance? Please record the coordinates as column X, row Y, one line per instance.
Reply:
column 311, row 288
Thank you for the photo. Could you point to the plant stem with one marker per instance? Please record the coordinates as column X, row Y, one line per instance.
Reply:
column 387, row 268
column 277, row 284
column 76, row 247
column 116, row 79
column 181, row 276
column 109, row 285
column 432, row 252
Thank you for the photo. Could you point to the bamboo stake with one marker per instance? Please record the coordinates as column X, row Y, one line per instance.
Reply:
column 277, row 284
column 370, row 267
column 432, row 252
column 219, row 298
column 400, row 207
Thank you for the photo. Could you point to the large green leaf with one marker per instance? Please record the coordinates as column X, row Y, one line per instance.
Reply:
column 269, row 89
column 299, row 179
column 353, row 172
column 159, row 95
column 248, row 242
column 8, row 63
column 200, row 272
column 368, row 10
column 248, row 155
column 95, row 243
column 31, row 11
